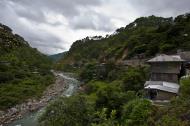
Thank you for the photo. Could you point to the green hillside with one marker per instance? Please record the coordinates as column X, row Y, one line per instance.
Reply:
column 112, row 94
column 146, row 36
column 24, row 71
column 57, row 57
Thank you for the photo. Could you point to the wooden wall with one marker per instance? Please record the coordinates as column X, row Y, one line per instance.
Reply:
column 169, row 67
column 164, row 77
column 161, row 95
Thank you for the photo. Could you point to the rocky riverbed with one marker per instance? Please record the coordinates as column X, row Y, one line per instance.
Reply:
column 18, row 111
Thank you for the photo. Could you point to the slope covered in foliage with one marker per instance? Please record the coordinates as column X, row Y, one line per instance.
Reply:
column 57, row 57
column 146, row 35
column 112, row 94
column 24, row 71
column 119, row 102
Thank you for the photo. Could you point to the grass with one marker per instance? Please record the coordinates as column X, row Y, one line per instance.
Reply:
column 21, row 90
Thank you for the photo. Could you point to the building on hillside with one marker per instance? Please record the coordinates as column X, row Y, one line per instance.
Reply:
column 165, row 74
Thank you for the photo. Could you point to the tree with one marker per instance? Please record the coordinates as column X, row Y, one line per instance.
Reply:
column 134, row 80
column 72, row 111
column 167, row 120
column 185, row 87
column 106, row 120
column 137, row 112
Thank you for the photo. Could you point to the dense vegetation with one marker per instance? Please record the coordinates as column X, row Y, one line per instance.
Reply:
column 57, row 57
column 24, row 71
column 113, row 94
column 118, row 102
column 145, row 36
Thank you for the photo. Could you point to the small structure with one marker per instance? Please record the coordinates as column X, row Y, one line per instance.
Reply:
column 165, row 75
column 161, row 90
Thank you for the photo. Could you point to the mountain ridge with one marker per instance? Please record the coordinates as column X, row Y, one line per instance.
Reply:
column 57, row 57
column 24, row 71
column 145, row 36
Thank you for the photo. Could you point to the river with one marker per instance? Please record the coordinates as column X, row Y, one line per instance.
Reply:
column 31, row 119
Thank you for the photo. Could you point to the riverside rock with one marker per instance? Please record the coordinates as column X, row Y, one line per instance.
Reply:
column 17, row 112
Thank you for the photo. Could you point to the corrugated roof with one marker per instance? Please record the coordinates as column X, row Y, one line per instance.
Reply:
column 163, row 86
column 166, row 58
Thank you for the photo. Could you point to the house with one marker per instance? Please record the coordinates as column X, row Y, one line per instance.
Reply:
column 161, row 90
column 165, row 74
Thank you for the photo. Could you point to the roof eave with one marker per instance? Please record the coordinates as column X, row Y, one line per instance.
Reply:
column 165, row 61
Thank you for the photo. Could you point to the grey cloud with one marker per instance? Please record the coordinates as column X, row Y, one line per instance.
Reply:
column 34, row 11
column 68, row 8
column 44, row 40
column 92, row 20
column 36, row 16
column 47, row 41
column 161, row 7
column 40, row 39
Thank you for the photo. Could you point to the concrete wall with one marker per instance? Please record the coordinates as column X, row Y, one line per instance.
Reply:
column 161, row 95
column 169, row 67
column 164, row 77
column 135, row 62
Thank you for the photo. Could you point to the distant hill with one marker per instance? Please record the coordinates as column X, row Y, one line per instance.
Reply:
column 24, row 71
column 57, row 57
column 146, row 36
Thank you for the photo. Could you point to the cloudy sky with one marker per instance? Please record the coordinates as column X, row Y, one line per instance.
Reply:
column 53, row 25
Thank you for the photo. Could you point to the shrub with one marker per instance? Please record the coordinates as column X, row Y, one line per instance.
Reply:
column 137, row 112
column 185, row 86
column 72, row 111
column 6, row 76
column 134, row 80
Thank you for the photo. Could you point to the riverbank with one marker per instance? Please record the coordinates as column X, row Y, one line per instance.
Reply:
column 18, row 111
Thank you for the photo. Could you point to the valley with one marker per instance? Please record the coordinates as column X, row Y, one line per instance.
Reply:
column 100, row 81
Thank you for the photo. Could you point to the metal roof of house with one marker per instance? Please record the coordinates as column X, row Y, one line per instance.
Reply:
column 163, row 86
column 166, row 58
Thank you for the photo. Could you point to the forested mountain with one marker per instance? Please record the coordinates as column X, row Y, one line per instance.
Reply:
column 24, row 71
column 112, row 94
column 57, row 57
column 146, row 35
